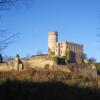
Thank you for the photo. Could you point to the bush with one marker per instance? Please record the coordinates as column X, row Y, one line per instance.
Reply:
column 47, row 66
column 55, row 59
column 98, row 68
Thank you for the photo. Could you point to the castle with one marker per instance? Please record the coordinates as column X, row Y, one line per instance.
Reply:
column 60, row 48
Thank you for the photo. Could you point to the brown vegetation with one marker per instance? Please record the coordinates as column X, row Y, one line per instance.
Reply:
column 44, row 84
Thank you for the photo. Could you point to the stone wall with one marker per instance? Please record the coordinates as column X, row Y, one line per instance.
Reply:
column 75, row 49
column 16, row 65
column 37, row 63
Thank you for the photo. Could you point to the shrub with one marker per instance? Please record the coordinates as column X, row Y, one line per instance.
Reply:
column 55, row 59
column 98, row 68
column 47, row 66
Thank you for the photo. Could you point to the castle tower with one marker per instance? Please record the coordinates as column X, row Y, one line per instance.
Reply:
column 52, row 40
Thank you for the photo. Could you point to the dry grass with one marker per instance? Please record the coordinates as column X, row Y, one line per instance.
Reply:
column 44, row 84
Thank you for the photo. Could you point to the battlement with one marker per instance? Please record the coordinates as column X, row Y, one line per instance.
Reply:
column 73, row 43
column 53, row 33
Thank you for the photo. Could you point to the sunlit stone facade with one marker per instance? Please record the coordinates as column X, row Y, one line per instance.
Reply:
column 59, row 48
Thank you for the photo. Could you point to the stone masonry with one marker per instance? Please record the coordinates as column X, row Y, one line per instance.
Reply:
column 59, row 48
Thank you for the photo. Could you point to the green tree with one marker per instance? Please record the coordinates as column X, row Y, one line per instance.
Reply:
column 68, row 55
column 92, row 60
column 55, row 59
column 51, row 53
column 84, row 58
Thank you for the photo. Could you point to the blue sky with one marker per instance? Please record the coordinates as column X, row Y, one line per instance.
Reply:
column 75, row 20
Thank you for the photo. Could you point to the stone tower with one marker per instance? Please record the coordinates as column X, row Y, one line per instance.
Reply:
column 52, row 40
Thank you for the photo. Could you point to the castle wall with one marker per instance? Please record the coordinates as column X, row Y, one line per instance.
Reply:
column 63, row 48
column 57, row 49
column 15, row 65
column 36, row 62
column 6, row 66
column 76, row 50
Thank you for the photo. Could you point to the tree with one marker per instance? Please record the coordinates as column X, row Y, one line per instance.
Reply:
column 7, row 38
column 92, row 60
column 69, row 55
column 55, row 59
column 51, row 53
column 7, row 4
column 84, row 58
column 1, row 58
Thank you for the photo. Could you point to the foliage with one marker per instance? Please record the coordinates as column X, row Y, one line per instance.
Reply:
column 84, row 58
column 86, row 61
column 98, row 68
column 47, row 66
column 1, row 58
column 69, row 56
column 51, row 53
column 55, row 59
column 92, row 60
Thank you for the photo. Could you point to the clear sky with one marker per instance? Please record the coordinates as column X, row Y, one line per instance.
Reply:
column 75, row 20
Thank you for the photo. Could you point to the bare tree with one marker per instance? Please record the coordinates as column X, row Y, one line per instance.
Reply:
column 6, row 4
column 5, row 37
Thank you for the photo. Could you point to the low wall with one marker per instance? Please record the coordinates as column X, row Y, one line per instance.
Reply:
column 5, row 67
column 37, row 63
column 11, row 66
